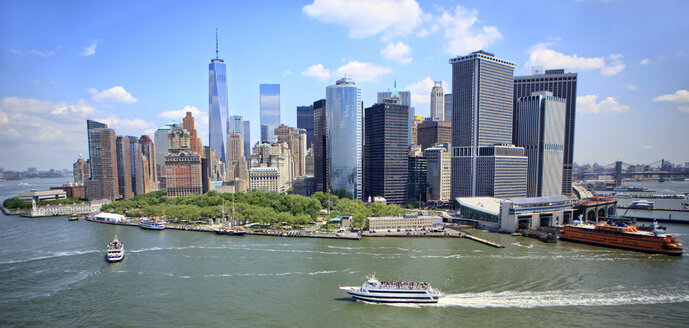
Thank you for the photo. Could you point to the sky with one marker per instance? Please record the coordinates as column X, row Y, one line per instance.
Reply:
column 137, row 65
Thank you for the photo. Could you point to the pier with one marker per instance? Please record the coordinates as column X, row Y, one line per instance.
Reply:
column 654, row 209
column 483, row 241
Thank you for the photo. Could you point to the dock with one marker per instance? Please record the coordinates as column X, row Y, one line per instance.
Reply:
column 654, row 209
column 483, row 241
column 301, row 234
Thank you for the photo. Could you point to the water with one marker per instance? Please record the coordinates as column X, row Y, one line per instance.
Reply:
column 53, row 273
column 667, row 188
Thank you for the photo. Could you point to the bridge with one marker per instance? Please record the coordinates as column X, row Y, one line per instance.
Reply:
column 660, row 170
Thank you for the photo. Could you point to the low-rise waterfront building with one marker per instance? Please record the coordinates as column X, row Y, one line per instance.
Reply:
column 409, row 221
column 67, row 209
column 42, row 195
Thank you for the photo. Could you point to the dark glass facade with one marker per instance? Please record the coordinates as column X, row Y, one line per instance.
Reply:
column 305, row 121
column 417, row 181
column 320, row 146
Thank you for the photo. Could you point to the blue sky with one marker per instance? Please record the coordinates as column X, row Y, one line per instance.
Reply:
column 139, row 64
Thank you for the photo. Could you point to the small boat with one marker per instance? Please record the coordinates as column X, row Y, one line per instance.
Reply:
column 152, row 224
column 394, row 292
column 230, row 231
column 115, row 252
column 73, row 218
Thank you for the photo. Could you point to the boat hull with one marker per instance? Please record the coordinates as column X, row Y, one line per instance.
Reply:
column 592, row 243
column 114, row 259
column 391, row 297
column 629, row 241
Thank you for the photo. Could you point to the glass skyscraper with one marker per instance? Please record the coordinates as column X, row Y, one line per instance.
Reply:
column 344, row 111
column 218, row 112
column 270, row 110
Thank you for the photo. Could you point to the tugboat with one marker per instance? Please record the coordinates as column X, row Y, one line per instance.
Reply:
column 394, row 292
column 115, row 252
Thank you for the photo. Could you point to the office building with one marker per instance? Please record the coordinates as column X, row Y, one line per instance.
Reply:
column 296, row 141
column 437, row 102
column 247, row 140
column 417, row 168
column 103, row 183
column 161, row 150
column 320, row 147
column 403, row 98
column 136, row 165
column 305, row 121
column 195, row 141
column 562, row 85
column 237, row 171
column 539, row 124
column 386, row 150
column 124, row 167
column 218, row 111
column 82, row 171
column 150, row 174
column 484, row 161
column 271, row 167
column 183, row 172
column 270, row 110
column 438, row 172
column 448, row 108
column 237, row 124
column 431, row 132
column 344, row 111
column 415, row 129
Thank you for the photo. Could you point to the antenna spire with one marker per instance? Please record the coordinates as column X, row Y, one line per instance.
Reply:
column 216, row 43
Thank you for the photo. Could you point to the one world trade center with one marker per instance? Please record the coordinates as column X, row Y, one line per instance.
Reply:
column 218, row 112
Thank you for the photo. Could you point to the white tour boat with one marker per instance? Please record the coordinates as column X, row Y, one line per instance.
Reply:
column 115, row 251
column 394, row 292
column 152, row 224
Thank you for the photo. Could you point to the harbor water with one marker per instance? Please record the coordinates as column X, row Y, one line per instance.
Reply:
column 53, row 273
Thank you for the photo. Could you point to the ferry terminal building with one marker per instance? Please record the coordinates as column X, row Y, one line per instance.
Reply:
column 511, row 215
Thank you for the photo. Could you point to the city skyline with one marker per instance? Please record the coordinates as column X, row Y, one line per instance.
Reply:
column 634, row 98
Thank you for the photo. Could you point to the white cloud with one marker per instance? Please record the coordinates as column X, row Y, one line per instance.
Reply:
column 89, row 50
column 588, row 105
column 541, row 55
column 367, row 18
column 286, row 73
column 632, row 87
column 645, row 61
column 421, row 90
column 463, row 32
column 16, row 51
column 398, row 52
column 200, row 119
column 114, row 94
column 317, row 71
column 680, row 97
column 360, row 72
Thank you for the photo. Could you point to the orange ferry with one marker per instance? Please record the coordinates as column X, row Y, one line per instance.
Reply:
column 622, row 236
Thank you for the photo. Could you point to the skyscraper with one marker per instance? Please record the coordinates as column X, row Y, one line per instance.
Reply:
column 562, row 85
column 417, row 168
column 448, row 108
column 136, row 161
column 124, row 167
column 484, row 162
column 103, row 183
column 540, row 129
column 182, row 167
column 82, row 172
column 161, row 150
column 237, row 124
column 247, row 140
column 296, row 141
column 344, row 111
column 188, row 124
column 149, row 152
column 218, row 111
column 437, row 102
column 430, row 133
column 320, row 146
column 438, row 176
column 305, row 121
column 270, row 110
column 386, row 150
column 404, row 98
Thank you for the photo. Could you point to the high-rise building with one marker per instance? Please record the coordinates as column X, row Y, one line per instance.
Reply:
column 270, row 110
column 438, row 175
column 562, row 85
column 150, row 173
column 415, row 129
column 448, row 108
column 437, row 102
column 161, row 150
column 417, row 168
column 124, row 167
column 237, row 170
column 344, row 111
column 305, row 121
column 247, row 140
column 403, row 98
column 103, row 183
column 385, row 154
column 188, row 124
column 82, row 171
column 183, row 173
column 320, row 146
column 218, row 111
column 136, row 168
column 296, row 141
column 431, row 132
column 271, row 167
column 484, row 162
column 540, row 128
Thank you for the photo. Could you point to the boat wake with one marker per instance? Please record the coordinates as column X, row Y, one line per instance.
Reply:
column 54, row 255
column 510, row 299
